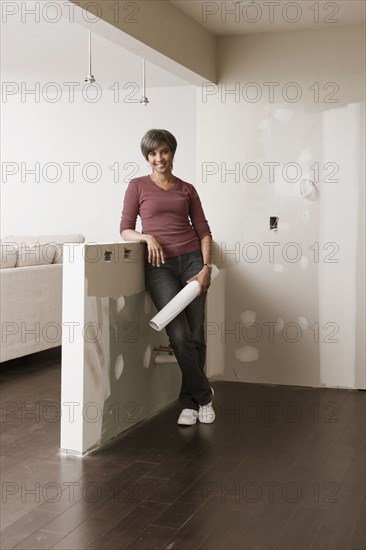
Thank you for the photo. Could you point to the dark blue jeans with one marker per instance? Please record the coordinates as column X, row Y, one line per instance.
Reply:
column 186, row 332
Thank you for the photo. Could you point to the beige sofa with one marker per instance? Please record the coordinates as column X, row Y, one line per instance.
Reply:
column 31, row 293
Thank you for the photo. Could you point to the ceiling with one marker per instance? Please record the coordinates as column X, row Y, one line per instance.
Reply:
column 230, row 17
column 58, row 52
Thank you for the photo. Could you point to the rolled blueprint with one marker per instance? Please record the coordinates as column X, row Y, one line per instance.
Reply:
column 178, row 303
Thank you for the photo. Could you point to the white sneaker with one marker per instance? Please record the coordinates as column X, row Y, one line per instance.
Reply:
column 206, row 414
column 188, row 417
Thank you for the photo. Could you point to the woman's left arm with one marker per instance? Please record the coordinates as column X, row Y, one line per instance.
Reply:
column 204, row 276
column 203, row 231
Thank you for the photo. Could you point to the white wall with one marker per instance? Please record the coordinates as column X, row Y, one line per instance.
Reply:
column 299, row 100
column 283, row 297
column 106, row 133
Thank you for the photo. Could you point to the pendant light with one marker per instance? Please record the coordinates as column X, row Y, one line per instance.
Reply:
column 144, row 100
column 90, row 77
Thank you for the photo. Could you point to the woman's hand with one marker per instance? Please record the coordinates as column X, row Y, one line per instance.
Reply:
column 203, row 278
column 155, row 252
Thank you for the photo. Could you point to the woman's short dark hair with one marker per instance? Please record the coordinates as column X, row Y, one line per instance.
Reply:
column 153, row 138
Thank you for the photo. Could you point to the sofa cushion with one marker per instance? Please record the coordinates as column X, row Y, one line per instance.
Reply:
column 39, row 254
column 56, row 240
column 8, row 255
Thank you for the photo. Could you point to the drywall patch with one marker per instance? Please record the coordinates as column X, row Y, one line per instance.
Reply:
column 283, row 226
column 283, row 115
column 147, row 357
column 303, row 323
column 247, row 353
column 120, row 304
column 304, row 263
column 265, row 129
column 248, row 317
column 304, row 156
column 279, row 268
column 118, row 366
column 305, row 215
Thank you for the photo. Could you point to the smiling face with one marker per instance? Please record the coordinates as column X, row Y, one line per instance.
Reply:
column 161, row 159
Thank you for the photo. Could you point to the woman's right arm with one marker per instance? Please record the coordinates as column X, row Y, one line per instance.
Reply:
column 131, row 209
column 133, row 235
column 155, row 253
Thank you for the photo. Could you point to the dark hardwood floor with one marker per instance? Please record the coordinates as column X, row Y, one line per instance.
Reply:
column 282, row 467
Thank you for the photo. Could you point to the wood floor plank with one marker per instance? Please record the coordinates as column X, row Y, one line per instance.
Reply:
column 282, row 467
column 23, row 528
column 40, row 540
column 199, row 526
column 300, row 529
column 229, row 532
column 357, row 539
column 338, row 524
column 130, row 527
column 151, row 538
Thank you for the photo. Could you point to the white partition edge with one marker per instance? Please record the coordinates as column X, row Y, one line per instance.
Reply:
column 72, row 375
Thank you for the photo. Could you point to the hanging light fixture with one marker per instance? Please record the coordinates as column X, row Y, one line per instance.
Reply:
column 90, row 77
column 144, row 100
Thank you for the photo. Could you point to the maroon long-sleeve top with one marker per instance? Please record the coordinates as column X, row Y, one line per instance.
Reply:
column 174, row 217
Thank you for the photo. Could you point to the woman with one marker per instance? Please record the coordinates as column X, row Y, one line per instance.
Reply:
column 179, row 249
